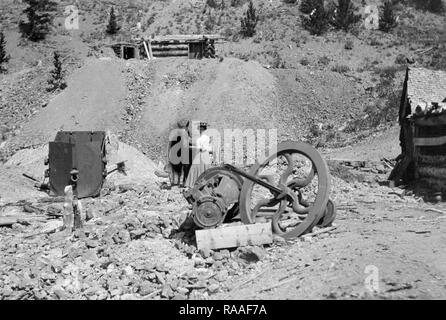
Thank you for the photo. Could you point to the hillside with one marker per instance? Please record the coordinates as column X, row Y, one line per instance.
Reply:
column 329, row 82
column 339, row 91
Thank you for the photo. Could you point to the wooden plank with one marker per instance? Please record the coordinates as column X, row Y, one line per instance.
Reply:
column 170, row 48
column 7, row 221
column 186, row 37
column 431, row 121
column 434, row 141
column 236, row 236
column 170, row 54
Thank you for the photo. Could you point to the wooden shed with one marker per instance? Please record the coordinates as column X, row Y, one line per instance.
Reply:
column 190, row 46
column 422, row 119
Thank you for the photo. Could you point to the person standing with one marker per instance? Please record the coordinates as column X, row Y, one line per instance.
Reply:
column 179, row 142
column 201, row 152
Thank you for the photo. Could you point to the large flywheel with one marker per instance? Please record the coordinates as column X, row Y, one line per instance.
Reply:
column 295, row 192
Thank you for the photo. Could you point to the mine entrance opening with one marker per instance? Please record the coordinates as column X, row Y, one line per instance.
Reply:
column 129, row 53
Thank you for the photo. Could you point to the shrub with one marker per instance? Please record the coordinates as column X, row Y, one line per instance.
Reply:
column 211, row 3
column 340, row 68
column 387, row 20
column 307, row 6
column 209, row 23
column 318, row 20
column 249, row 21
column 400, row 59
column 57, row 80
column 345, row 15
column 277, row 61
column 237, row 3
column 438, row 59
column 435, row 6
column 112, row 26
column 349, row 44
column 324, row 60
column 4, row 57
column 40, row 17
column 304, row 61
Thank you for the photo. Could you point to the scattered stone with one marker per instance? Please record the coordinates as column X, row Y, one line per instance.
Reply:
column 252, row 254
column 213, row 288
column 218, row 256
column 205, row 253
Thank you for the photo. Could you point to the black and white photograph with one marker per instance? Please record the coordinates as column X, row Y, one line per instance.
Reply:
column 222, row 153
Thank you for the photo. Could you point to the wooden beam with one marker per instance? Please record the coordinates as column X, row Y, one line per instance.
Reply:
column 431, row 121
column 147, row 50
column 236, row 236
column 433, row 141
column 169, row 48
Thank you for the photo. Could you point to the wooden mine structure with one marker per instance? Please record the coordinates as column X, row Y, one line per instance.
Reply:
column 191, row 46
column 422, row 119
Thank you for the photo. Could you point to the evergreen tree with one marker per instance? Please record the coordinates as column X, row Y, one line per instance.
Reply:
column 112, row 27
column 435, row 6
column 387, row 20
column 40, row 17
column 57, row 80
column 4, row 57
column 317, row 21
column 249, row 21
column 307, row 6
column 211, row 3
column 345, row 15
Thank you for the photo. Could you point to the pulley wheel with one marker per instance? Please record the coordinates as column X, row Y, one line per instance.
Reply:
column 300, row 172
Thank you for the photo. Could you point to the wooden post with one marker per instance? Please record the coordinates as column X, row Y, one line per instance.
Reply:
column 78, row 214
column 150, row 50
column 68, row 217
column 73, row 213
column 147, row 50
column 415, row 134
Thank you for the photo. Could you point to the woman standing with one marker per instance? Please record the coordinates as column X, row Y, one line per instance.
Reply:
column 201, row 151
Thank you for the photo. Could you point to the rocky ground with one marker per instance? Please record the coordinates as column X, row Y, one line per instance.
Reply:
column 134, row 248
column 332, row 91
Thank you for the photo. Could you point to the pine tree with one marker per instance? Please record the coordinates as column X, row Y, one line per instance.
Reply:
column 112, row 27
column 211, row 3
column 307, row 6
column 57, row 80
column 387, row 20
column 249, row 21
column 317, row 21
column 435, row 6
column 4, row 57
column 40, row 17
column 345, row 15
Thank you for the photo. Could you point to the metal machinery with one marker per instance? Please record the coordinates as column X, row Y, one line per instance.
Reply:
column 290, row 188
column 77, row 158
